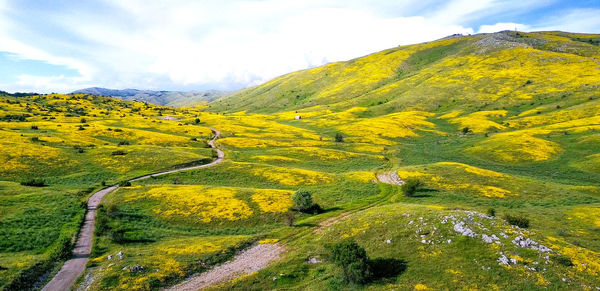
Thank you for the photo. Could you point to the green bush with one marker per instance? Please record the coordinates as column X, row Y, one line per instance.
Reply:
column 491, row 212
column 118, row 153
column 565, row 261
column 515, row 220
column 411, row 186
column 125, row 184
column 339, row 137
column 353, row 260
column 302, row 200
column 34, row 183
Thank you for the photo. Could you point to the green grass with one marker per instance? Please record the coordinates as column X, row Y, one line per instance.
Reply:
column 559, row 196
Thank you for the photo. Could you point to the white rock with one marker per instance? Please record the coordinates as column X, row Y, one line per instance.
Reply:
column 463, row 230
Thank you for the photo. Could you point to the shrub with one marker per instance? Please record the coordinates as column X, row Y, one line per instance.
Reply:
column 80, row 127
column 290, row 218
column 34, row 127
column 118, row 153
column 125, row 184
column 491, row 212
column 34, row 183
column 302, row 200
column 124, row 142
column 339, row 137
column 565, row 261
column 353, row 260
column 83, row 120
column 35, row 139
column 515, row 220
column 197, row 120
column 315, row 209
column 411, row 186
column 466, row 130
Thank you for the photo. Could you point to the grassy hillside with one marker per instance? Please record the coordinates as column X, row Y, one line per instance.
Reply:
column 493, row 126
column 484, row 71
column 72, row 145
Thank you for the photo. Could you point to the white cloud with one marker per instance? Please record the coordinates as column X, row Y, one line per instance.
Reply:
column 576, row 20
column 227, row 44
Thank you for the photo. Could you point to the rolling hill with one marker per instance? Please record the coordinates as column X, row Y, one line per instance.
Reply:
column 501, row 131
column 164, row 98
column 484, row 71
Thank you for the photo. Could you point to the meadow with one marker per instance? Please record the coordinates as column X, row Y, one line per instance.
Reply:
column 493, row 126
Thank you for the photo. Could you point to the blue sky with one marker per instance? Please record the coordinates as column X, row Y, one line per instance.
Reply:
column 60, row 46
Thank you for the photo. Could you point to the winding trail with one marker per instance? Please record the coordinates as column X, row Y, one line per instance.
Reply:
column 247, row 262
column 74, row 267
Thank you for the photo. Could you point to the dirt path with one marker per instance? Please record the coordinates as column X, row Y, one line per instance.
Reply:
column 74, row 267
column 390, row 178
column 330, row 221
column 247, row 262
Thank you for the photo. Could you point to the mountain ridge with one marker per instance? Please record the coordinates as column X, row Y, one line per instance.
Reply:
column 160, row 97
column 482, row 69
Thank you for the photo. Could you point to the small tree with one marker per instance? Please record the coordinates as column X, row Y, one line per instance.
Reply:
column 353, row 260
column 339, row 137
column 302, row 200
column 466, row 130
column 197, row 120
column 411, row 186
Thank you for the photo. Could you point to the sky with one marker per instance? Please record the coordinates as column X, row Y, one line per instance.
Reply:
column 61, row 46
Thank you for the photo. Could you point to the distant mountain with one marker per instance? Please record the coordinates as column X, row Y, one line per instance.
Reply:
column 165, row 98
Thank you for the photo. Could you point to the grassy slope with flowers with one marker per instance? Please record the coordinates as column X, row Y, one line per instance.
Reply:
column 530, row 101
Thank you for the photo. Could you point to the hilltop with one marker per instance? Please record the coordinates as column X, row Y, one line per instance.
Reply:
column 164, row 98
column 475, row 72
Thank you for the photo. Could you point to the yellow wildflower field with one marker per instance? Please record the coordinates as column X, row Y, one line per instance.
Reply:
column 362, row 176
column 588, row 214
column 271, row 158
column 478, row 121
column 323, row 153
column 194, row 201
column 19, row 153
column 395, row 125
column 515, row 147
column 272, row 200
column 292, row 176
column 451, row 176
column 240, row 142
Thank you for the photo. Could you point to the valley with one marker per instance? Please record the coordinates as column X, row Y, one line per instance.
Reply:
column 501, row 131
